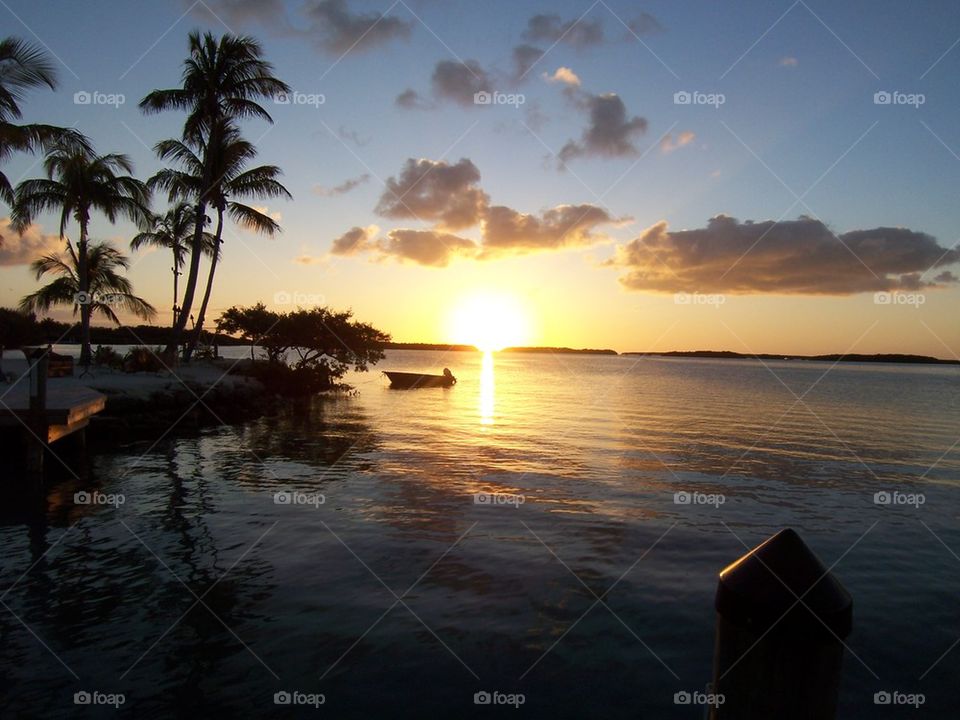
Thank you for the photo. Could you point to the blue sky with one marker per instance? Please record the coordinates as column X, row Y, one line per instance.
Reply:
column 798, row 82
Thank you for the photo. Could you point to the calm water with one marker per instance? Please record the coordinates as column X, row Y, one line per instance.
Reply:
column 399, row 596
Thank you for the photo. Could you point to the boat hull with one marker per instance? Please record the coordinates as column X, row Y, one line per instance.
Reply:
column 409, row 381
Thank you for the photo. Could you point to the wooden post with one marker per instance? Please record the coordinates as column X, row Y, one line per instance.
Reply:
column 38, row 415
column 776, row 657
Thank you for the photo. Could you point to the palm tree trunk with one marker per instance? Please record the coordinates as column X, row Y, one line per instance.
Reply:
column 196, row 250
column 176, row 277
column 86, row 306
column 206, row 294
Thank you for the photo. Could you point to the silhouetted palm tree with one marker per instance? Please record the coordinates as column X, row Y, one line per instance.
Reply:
column 23, row 67
column 106, row 288
column 222, row 81
column 173, row 231
column 77, row 183
column 228, row 161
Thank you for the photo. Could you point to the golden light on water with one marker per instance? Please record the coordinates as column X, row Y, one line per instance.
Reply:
column 487, row 395
column 489, row 321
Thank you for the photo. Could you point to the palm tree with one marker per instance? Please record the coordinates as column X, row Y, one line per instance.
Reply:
column 23, row 67
column 106, row 288
column 77, row 183
column 222, row 81
column 172, row 231
column 228, row 161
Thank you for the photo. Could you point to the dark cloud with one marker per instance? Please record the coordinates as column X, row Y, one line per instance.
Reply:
column 435, row 191
column 524, row 58
column 410, row 99
column 790, row 257
column 644, row 24
column 23, row 249
column 552, row 29
column 355, row 240
column 611, row 132
column 352, row 136
column 425, row 247
column 343, row 188
column 506, row 231
column 329, row 25
column 270, row 14
column 459, row 81
column 334, row 28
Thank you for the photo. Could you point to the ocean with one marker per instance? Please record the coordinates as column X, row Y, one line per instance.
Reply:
column 548, row 531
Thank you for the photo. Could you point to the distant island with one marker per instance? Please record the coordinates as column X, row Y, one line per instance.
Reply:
column 471, row 348
column 730, row 355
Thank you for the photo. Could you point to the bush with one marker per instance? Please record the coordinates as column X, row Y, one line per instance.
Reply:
column 289, row 381
column 106, row 356
column 143, row 359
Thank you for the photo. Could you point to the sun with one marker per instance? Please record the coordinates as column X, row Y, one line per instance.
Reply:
column 490, row 321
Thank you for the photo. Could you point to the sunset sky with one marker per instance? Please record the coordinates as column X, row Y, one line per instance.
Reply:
column 777, row 202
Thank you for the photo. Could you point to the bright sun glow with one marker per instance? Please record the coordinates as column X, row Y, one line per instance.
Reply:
column 490, row 322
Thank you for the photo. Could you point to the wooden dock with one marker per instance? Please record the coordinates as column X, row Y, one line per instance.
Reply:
column 43, row 410
column 69, row 407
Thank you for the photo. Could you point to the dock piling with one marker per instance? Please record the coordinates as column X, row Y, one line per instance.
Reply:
column 37, row 437
column 781, row 620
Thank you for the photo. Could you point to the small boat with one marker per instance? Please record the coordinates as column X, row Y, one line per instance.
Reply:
column 408, row 381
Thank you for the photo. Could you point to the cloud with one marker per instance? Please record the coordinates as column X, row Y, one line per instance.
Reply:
column 668, row 143
column 789, row 62
column 335, row 29
column 435, row 191
column 506, row 231
column 328, row 25
column 610, row 132
column 355, row 240
column 425, row 247
column 524, row 58
column 644, row 24
column 306, row 258
column 459, row 81
column 352, row 136
column 579, row 33
column 563, row 75
column 265, row 13
column 796, row 257
column 22, row 249
column 343, row 188
column 410, row 99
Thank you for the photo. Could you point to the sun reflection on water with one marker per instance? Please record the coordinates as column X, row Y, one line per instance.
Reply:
column 486, row 389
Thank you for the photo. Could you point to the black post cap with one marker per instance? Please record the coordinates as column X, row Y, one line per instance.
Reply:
column 762, row 587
